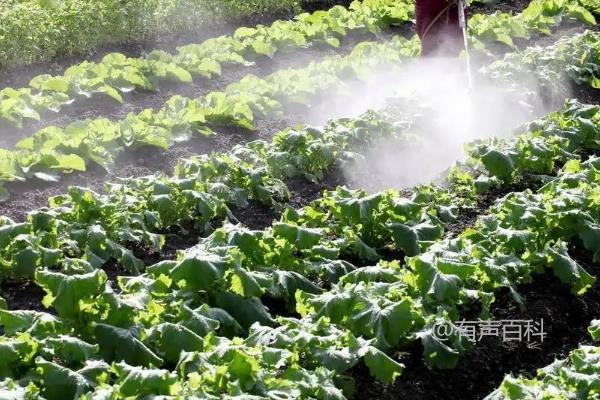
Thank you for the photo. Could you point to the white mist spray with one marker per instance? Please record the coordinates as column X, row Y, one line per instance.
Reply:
column 451, row 115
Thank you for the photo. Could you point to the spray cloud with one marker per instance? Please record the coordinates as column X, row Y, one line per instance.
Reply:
column 448, row 115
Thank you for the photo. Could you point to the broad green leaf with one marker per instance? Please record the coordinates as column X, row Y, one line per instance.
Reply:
column 171, row 339
column 302, row 238
column 139, row 382
column 199, row 271
column 117, row 344
column 498, row 164
column 594, row 329
column 64, row 292
column 245, row 311
column 568, row 270
column 60, row 383
column 70, row 349
column 382, row 367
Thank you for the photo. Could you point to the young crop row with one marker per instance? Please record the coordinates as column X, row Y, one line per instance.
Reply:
column 39, row 30
column 117, row 74
column 85, row 224
column 53, row 151
column 572, row 377
column 178, row 314
column 539, row 17
column 573, row 59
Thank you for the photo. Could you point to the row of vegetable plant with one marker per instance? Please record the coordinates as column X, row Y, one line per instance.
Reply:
column 40, row 30
column 116, row 74
column 574, row 376
column 53, row 151
column 95, row 227
column 571, row 60
column 174, row 315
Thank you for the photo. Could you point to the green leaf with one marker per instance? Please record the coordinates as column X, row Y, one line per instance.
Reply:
column 245, row 311
column 568, row 270
column 246, row 283
column 64, row 292
column 50, row 83
column 117, row 344
column 286, row 283
column 498, row 164
column 199, row 271
column 594, row 329
column 111, row 92
column 405, row 239
column 442, row 347
column 302, row 238
column 70, row 162
column 581, row 14
column 383, row 368
column 141, row 382
column 26, row 263
column 70, row 349
column 60, row 383
column 171, row 339
column 33, row 322
column 179, row 74
column 200, row 320
column 387, row 324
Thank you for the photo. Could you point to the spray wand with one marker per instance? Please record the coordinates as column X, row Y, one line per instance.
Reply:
column 462, row 21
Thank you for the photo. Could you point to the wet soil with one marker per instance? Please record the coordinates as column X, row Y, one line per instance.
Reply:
column 492, row 6
column 586, row 94
column 468, row 216
column 34, row 193
column 303, row 191
column 22, row 295
column 136, row 101
column 566, row 318
column 315, row 5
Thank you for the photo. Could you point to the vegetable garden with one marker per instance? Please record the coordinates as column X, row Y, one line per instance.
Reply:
column 177, row 224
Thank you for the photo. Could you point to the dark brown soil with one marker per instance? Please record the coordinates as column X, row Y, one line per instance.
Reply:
column 566, row 318
column 315, row 5
column 33, row 194
column 113, row 271
column 586, row 94
column 137, row 101
column 303, row 192
column 489, row 7
column 468, row 216
column 22, row 295
column 279, row 307
column 256, row 216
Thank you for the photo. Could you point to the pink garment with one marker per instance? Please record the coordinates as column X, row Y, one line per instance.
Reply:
column 438, row 27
